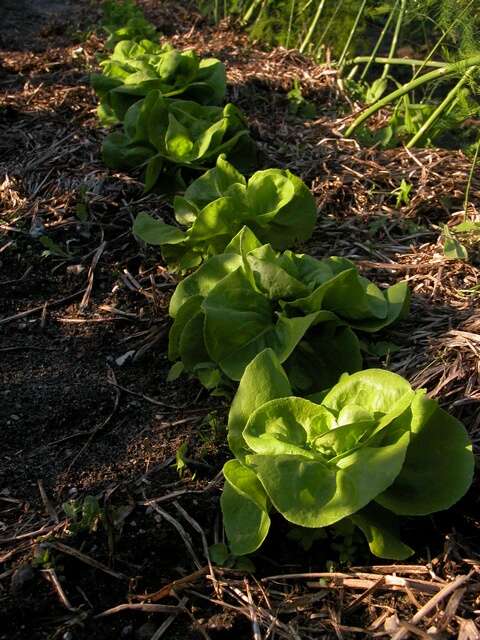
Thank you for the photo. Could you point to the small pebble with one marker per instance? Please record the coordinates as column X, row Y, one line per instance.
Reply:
column 21, row 577
column 127, row 631
column 146, row 631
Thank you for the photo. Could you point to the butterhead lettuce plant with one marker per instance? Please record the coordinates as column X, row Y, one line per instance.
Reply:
column 369, row 451
column 136, row 68
column 276, row 205
column 124, row 20
column 250, row 298
column 166, row 135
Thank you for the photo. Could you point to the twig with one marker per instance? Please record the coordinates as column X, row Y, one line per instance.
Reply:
column 63, row 548
column 199, row 529
column 359, row 599
column 34, row 534
column 161, row 630
column 146, row 608
column 183, row 534
column 52, row 577
column 142, row 395
column 100, row 427
column 432, row 603
column 176, row 585
column 257, row 635
column 48, row 505
column 91, row 275
column 29, row 312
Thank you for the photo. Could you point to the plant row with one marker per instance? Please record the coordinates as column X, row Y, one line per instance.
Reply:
column 315, row 437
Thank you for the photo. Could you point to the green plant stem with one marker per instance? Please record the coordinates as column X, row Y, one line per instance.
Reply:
column 351, row 34
column 396, row 33
column 469, row 183
column 312, row 27
column 290, row 23
column 327, row 28
column 249, row 12
column 411, row 62
column 260, row 13
column 442, row 38
column 452, row 94
column 379, row 41
column 444, row 71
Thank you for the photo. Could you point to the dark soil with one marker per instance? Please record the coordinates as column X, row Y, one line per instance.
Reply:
column 28, row 25
column 85, row 407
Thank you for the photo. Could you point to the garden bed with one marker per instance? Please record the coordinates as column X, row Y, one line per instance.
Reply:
column 85, row 405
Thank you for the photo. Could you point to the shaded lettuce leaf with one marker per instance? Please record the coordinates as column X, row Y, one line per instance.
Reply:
column 178, row 133
column 382, row 532
column 255, row 300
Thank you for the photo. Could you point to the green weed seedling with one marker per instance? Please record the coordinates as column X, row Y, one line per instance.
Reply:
column 82, row 210
column 402, row 193
column 298, row 105
column 85, row 515
column 181, row 463
column 42, row 557
column 52, row 248
column 453, row 249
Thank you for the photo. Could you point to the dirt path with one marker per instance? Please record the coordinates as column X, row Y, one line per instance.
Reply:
column 26, row 24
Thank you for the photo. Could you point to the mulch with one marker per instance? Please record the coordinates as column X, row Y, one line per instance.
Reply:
column 85, row 406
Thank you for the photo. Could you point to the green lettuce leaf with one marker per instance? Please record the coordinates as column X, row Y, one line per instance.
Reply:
column 368, row 450
column 245, row 509
column 180, row 133
column 134, row 69
column 274, row 204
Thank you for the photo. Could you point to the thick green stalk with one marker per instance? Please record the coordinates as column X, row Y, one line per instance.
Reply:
column 352, row 33
column 446, row 70
column 411, row 62
column 379, row 41
column 452, row 94
column 396, row 33
column 312, row 27
column 249, row 12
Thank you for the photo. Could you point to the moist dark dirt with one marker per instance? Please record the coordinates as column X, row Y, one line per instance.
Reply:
column 86, row 410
